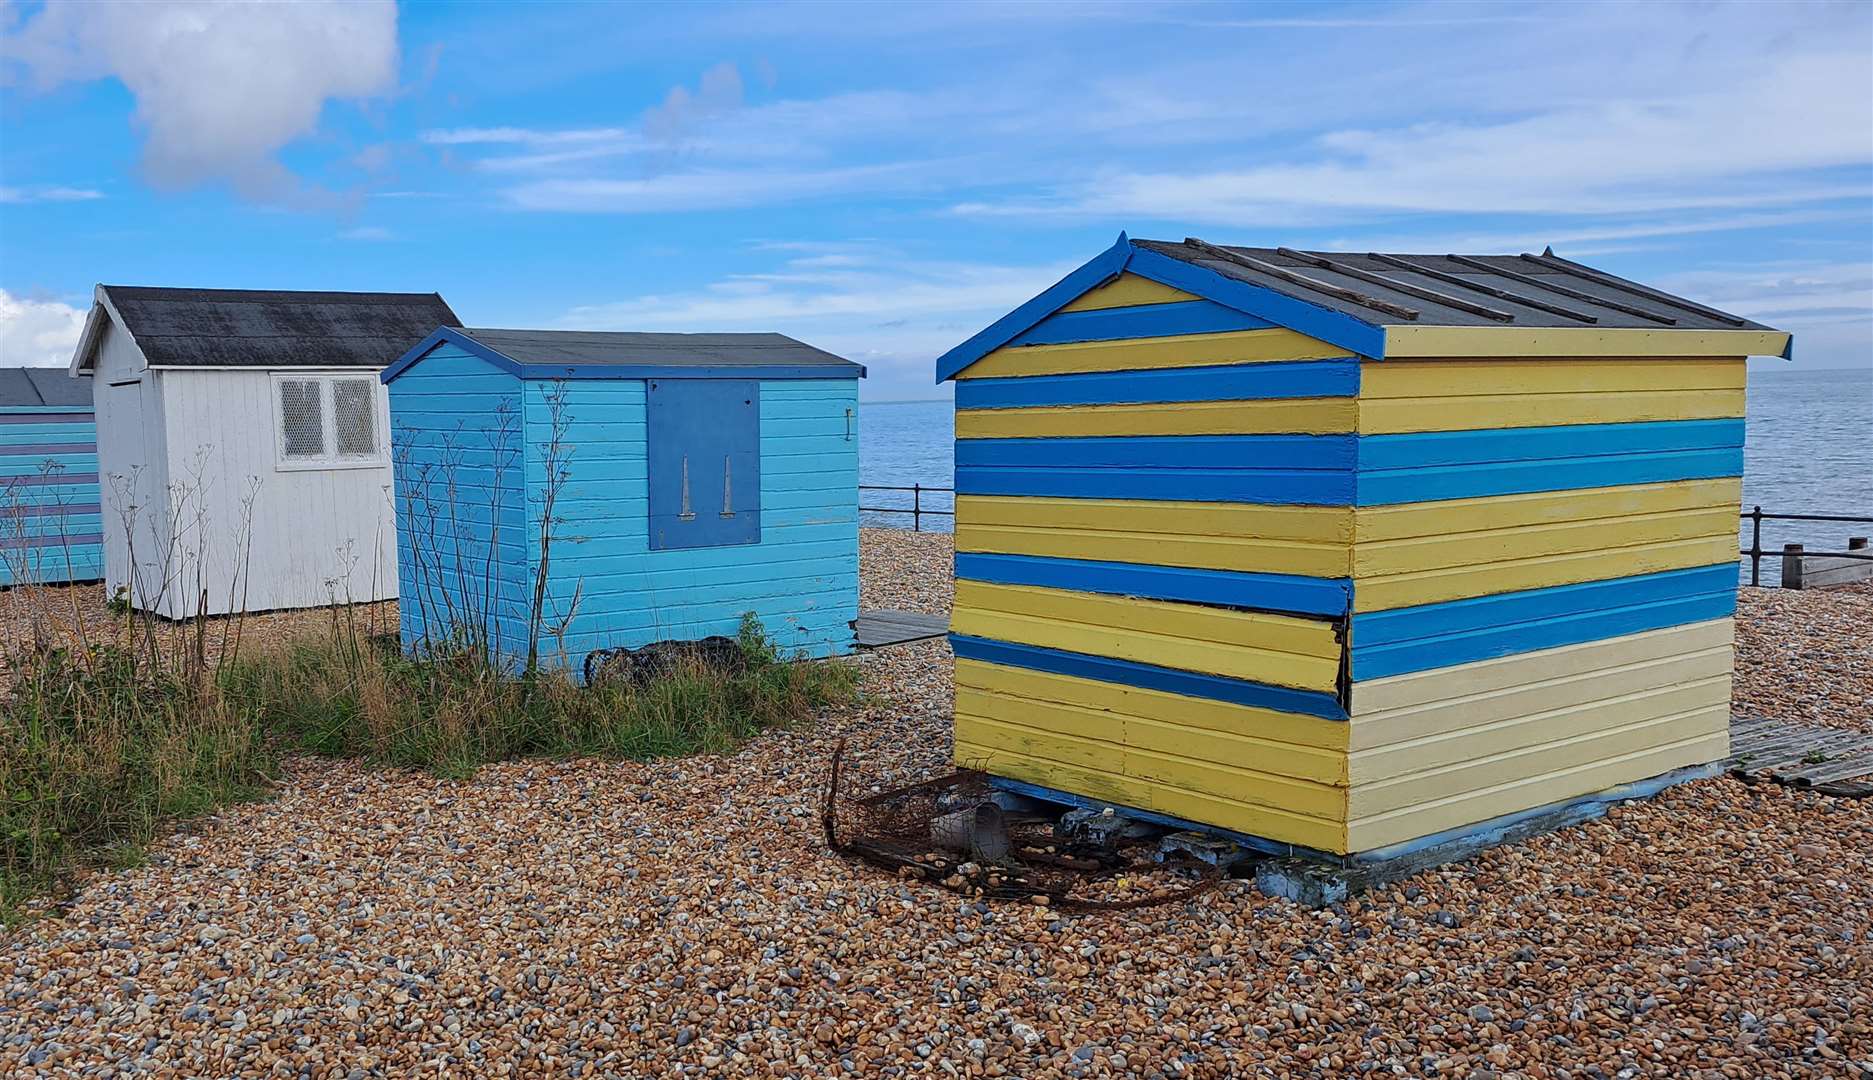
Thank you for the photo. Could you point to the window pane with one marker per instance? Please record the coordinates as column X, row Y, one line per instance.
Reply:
column 354, row 416
column 302, row 418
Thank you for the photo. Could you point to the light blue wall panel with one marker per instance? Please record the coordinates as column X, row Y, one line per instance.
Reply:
column 51, row 528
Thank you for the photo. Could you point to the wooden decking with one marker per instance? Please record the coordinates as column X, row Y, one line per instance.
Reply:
column 890, row 626
column 1832, row 761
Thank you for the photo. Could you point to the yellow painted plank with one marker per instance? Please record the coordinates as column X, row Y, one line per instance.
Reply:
column 1140, row 354
column 1544, row 410
column 1469, row 808
column 1235, row 749
column 1271, row 822
column 1387, row 560
column 1127, row 290
column 1260, row 653
column 1527, row 745
column 1508, row 342
column 1291, row 637
column 1195, row 552
column 1226, row 780
column 1461, row 582
column 1311, row 733
column 1450, row 516
column 1311, row 416
column 1379, row 706
column 1395, row 379
column 1304, row 524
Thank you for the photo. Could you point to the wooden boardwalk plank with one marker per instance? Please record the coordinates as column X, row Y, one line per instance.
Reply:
column 1831, row 760
column 891, row 626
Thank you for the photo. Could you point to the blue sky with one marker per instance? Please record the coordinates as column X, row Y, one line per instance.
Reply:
column 884, row 180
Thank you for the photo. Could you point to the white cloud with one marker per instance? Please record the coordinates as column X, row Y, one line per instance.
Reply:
column 873, row 305
column 367, row 232
column 220, row 88
column 699, row 190
column 718, row 92
column 48, row 194
column 38, row 333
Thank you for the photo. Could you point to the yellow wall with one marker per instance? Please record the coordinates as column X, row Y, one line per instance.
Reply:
column 1128, row 290
column 1465, row 395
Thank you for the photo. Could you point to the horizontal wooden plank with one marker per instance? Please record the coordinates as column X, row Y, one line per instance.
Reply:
column 1161, row 519
column 1229, row 382
column 1545, row 410
column 1492, row 342
column 1140, row 321
column 1150, row 676
column 1268, row 592
column 1127, row 290
column 1376, row 526
column 1305, row 415
column 1415, row 380
column 1137, row 354
column 1619, row 557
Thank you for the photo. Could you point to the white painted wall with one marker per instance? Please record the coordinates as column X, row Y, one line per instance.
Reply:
column 318, row 535
column 132, row 469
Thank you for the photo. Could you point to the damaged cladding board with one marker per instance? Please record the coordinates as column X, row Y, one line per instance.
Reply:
column 1234, row 549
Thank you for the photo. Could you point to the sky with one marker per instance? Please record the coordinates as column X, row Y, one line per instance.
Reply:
column 883, row 180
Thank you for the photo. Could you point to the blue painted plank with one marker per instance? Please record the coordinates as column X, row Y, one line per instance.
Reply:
column 1432, row 484
column 1149, row 676
column 1418, row 449
column 1284, row 487
column 47, row 449
column 1462, row 631
column 27, row 417
column 1144, row 321
column 1233, row 382
column 1289, row 593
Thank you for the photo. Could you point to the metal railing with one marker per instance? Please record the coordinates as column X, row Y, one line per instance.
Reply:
column 1754, row 551
column 916, row 509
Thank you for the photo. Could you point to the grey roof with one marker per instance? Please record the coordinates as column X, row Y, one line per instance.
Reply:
column 1455, row 290
column 264, row 328
column 574, row 348
column 32, row 387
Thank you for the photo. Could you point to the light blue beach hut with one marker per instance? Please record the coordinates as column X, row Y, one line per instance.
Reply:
column 587, row 491
column 51, row 526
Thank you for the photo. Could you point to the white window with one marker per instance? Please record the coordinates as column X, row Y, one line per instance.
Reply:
column 328, row 421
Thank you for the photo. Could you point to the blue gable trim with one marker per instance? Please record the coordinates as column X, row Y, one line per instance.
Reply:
column 451, row 336
column 1108, row 264
column 1349, row 333
column 1275, row 308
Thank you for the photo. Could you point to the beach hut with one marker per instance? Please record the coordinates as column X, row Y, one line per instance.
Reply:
column 574, row 492
column 50, row 521
column 1345, row 553
column 242, row 454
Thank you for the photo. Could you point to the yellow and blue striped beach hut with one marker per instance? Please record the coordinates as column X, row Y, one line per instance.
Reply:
column 1345, row 551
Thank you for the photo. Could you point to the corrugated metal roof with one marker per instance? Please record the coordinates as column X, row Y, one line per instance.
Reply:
column 574, row 348
column 1455, row 290
column 35, row 387
column 267, row 328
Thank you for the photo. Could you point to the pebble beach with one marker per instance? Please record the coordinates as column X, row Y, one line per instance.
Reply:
column 589, row 918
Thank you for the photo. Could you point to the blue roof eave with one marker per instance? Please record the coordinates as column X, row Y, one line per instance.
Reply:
column 1357, row 337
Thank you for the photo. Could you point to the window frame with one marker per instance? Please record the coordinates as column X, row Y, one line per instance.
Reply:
column 330, row 460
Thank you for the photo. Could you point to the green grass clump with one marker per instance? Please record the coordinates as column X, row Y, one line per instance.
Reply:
column 99, row 748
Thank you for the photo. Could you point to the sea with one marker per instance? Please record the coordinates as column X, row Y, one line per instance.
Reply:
column 1808, row 450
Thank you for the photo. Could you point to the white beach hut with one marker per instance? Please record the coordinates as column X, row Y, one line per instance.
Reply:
column 243, row 443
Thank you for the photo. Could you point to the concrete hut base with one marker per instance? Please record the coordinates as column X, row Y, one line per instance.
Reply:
column 1317, row 878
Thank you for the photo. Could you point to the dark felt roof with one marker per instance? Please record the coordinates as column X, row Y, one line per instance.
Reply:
column 1455, row 290
column 264, row 328
column 573, row 348
column 31, row 387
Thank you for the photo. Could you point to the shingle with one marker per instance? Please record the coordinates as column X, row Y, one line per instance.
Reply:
column 32, row 387
column 1530, row 290
column 575, row 348
column 266, row 328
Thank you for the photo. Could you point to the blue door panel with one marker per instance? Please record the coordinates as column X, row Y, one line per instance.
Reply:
column 704, row 462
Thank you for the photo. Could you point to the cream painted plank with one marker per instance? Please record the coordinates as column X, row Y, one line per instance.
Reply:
column 1544, row 410
column 1127, row 290
column 1509, row 342
column 1375, row 525
column 1374, row 698
column 1492, row 378
column 1531, row 747
column 1462, row 582
column 1469, row 808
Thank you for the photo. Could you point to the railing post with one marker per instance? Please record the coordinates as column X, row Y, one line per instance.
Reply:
column 1755, row 546
column 1791, row 566
column 916, row 508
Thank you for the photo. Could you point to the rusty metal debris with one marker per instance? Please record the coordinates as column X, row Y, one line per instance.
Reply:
column 893, row 830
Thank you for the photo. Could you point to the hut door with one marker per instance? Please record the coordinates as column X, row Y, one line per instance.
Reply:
column 704, row 461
